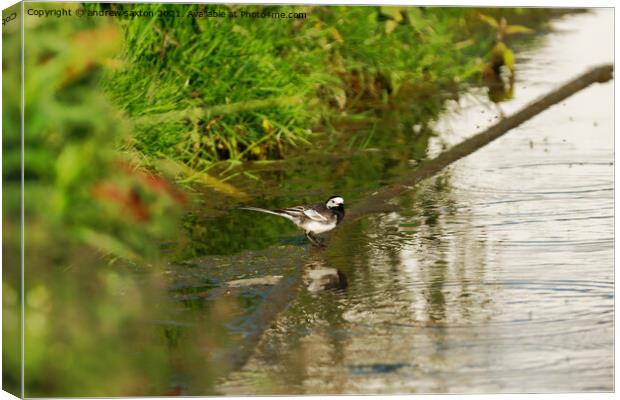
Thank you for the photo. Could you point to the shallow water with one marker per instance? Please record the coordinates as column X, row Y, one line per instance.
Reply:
column 497, row 276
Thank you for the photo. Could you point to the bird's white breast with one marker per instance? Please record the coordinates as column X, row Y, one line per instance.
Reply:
column 318, row 227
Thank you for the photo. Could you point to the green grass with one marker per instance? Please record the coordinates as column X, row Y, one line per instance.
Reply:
column 212, row 89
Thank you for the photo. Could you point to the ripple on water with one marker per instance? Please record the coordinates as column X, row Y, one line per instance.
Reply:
column 498, row 280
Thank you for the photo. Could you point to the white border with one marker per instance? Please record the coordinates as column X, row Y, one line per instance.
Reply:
column 459, row 3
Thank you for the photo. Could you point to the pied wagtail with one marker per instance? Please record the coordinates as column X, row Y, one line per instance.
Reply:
column 313, row 219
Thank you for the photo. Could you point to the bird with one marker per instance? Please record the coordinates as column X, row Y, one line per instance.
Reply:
column 313, row 219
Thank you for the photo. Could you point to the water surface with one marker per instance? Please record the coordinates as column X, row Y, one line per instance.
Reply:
column 496, row 276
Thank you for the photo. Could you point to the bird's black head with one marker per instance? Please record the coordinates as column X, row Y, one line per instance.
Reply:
column 336, row 205
column 335, row 202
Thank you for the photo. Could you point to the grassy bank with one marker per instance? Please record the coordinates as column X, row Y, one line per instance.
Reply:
column 202, row 90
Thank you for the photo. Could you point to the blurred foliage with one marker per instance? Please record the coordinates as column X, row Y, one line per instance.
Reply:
column 11, row 269
column 72, row 134
column 93, row 219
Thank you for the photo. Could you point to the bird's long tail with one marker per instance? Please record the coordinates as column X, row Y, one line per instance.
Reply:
column 279, row 214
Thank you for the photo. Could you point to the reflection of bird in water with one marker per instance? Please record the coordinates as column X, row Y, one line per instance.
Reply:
column 319, row 277
column 313, row 219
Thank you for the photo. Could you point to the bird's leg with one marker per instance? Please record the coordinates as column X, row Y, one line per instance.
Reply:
column 314, row 240
column 311, row 238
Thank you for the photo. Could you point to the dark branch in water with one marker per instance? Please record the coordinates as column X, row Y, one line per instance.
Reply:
column 377, row 201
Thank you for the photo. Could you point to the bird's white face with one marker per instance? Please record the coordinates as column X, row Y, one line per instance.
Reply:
column 335, row 202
